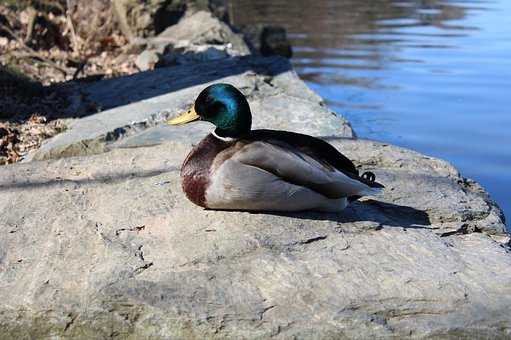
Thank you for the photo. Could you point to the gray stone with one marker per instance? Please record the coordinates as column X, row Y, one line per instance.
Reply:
column 274, row 42
column 108, row 246
column 268, row 40
column 279, row 100
column 197, row 37
column 138, row 18
column 201, row 28
column 192, row 54
column 147, row 60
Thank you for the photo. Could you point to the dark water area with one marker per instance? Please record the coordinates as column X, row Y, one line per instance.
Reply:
column 430, row 75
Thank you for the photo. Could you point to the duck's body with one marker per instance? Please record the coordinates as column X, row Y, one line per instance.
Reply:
column 272, row 171
column 236, row 168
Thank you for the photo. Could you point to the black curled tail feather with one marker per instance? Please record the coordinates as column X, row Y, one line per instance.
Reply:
column 369, row 178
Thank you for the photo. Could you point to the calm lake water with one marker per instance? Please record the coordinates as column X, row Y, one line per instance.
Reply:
column 430, row 75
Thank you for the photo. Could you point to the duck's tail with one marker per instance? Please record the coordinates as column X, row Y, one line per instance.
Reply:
column 369, row 179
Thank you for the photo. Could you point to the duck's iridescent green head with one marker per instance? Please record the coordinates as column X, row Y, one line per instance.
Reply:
column 224, row 106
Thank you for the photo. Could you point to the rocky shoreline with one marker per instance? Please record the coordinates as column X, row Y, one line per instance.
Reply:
column 98, row 240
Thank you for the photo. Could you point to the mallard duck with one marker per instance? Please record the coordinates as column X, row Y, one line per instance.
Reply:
column 236, row 168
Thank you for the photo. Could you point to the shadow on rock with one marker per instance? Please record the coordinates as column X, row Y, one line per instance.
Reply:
column 111, row 93
column 382, row 213
column 106, row 178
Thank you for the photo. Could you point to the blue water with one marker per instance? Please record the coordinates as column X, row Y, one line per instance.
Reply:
column 433, row 76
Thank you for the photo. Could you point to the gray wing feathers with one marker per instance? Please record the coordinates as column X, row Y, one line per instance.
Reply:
column 297, row 168
column 240, row 186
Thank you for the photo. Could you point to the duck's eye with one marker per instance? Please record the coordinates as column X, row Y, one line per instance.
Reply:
column 215, row 108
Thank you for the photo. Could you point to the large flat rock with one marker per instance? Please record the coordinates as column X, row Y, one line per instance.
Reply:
column 108, row 246
column 132, row 104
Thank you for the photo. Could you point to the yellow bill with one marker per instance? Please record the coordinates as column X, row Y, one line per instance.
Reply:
column 188, row 116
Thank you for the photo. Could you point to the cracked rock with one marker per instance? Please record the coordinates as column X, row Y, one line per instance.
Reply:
column 106, row 251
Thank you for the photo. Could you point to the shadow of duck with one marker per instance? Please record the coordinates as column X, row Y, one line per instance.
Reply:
column 381, row 213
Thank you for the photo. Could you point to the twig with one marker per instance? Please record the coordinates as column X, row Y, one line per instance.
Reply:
column 32, row 52
column 79, row 69
column 120, row 8
column 31, row 23
column 35, row 55
column 92, row 34
column 69, row 20
column 11, row 33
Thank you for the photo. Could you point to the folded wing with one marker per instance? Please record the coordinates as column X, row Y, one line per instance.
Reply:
column 295, row 166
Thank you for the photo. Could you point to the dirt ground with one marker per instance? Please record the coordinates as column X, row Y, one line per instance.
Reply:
column 44, row 44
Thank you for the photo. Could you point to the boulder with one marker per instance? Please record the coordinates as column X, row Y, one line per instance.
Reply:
column 138, row 18
column 131, row 104
column 268, row 40
column 108, row 246
column 274, row 42
column 99, row 241
column 147, row 60
column 197, row 37
column 201, row 28
column 180, row 54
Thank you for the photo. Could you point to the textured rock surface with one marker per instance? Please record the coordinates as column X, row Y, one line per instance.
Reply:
column 201, row 28
column 147, row 60
column 278, row 98
column 139, row 18
column 197, row 37
column 108, row 246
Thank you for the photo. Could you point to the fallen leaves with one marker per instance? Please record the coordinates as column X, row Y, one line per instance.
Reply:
column 17, row 139
column 8, row 140
column 46, row 43
column 79, row 42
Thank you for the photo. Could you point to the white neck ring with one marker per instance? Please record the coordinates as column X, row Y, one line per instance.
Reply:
column 225, row 139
